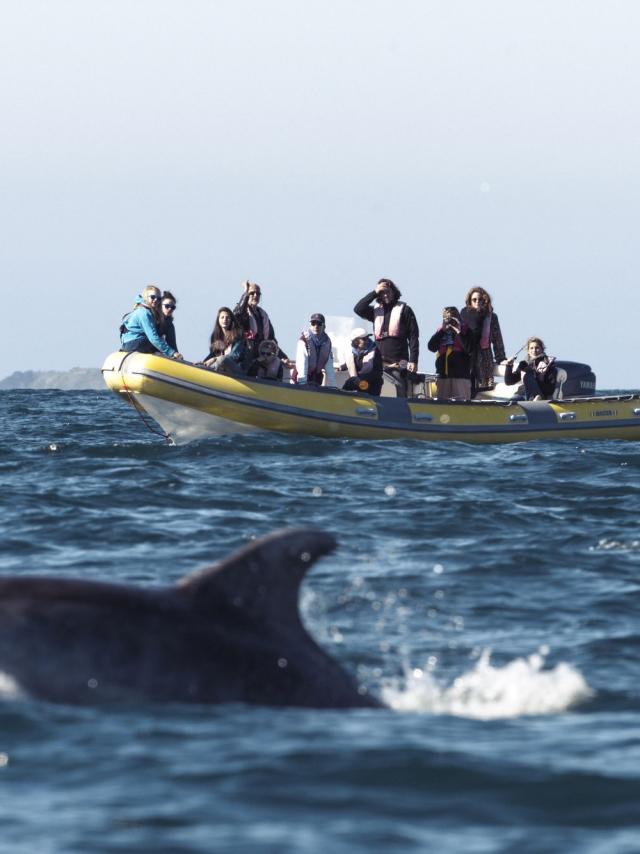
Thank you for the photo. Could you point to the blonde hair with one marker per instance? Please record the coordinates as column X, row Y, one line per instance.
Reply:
column 153, row 307
column 149, row 289
column 538, row 341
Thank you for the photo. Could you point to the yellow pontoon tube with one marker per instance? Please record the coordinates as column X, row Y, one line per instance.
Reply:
column 190, row 402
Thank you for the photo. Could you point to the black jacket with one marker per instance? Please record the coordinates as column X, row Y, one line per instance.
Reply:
column 393, row 349
column 169, row 332
column 457, row 366
column 535, row 382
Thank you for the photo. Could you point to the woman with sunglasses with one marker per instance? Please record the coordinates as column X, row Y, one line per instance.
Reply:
column 168, row 306
column 479, row 316
column 268, row 365
column 314, row 356
column 140, row 330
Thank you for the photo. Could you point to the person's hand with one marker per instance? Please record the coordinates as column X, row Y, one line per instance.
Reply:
column 178, row 356
column 246, row 285
column 411, row 367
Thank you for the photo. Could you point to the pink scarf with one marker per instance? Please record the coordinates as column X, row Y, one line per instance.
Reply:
column 485, row 338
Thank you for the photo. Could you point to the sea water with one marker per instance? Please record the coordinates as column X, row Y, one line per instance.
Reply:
column 488, row 594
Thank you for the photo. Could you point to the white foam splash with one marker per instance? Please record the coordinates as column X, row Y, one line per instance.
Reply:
column 519, row 688
column 616, row 545
column 9, row 688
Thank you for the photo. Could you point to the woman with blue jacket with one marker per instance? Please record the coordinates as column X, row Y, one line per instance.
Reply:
column 139, row 331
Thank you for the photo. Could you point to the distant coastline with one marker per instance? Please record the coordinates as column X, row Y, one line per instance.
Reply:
column 75, row 379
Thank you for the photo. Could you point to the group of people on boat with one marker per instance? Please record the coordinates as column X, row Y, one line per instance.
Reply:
column 468, row 344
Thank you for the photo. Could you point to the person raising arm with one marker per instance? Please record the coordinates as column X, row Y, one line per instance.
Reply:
column 395, row 329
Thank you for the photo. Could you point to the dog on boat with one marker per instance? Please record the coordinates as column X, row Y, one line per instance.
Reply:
column 228, row 633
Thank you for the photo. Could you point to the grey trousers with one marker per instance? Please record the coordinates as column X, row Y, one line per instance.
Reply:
column 446, row 389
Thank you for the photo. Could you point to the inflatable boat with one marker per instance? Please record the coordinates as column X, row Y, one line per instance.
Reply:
column 190, row 402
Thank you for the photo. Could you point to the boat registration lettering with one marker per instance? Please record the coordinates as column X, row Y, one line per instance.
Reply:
column 603, row 412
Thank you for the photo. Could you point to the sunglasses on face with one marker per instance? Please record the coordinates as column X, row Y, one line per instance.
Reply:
column 153, row 297
column 316, row 323
column 170, row 305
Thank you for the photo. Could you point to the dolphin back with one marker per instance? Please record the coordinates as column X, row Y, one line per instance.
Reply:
column 263, row 578
column 228, row 633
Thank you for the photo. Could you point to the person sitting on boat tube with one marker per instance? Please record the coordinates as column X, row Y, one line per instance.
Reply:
column 453, row 342
column 537, row 373
column 140, row 328
column 314, row 356
column 395, row 330
column 364, row 364
column 227, row 348
column 254, row 322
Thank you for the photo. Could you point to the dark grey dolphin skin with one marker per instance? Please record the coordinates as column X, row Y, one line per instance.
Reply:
column 228, row 633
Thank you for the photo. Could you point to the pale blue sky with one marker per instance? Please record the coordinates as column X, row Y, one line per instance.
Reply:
column 315, row 147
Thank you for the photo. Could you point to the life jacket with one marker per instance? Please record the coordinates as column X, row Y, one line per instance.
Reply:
column 272, row 370
column 394, row 329
column 365, row 359
column 254, row 332
column 454, row 345
column 318, row 357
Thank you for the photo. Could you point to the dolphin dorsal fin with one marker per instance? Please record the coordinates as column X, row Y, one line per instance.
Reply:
column 263, row 578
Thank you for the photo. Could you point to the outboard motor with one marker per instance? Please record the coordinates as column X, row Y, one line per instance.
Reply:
column 574, row 380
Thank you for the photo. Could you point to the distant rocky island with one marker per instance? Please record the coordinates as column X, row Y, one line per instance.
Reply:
column 73, row 380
